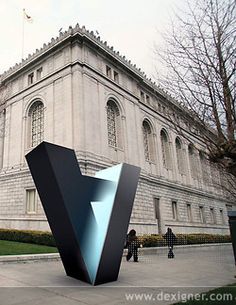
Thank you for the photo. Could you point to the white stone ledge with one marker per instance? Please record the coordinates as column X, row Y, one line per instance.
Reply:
column 27, row 258
column 33, row 218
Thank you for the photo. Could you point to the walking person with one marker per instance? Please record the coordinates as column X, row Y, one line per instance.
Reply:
column 171, row 240
column 132, row 244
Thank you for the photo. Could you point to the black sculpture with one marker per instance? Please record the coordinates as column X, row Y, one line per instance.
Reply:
column 88, row 216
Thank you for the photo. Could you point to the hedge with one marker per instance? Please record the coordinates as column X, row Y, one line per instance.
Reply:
column 153, row 240
column 27, row 236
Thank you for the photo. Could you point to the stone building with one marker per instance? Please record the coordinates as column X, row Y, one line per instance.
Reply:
column 78, row 92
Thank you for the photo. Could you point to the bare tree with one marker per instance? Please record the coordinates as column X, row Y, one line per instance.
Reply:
column 199, row 58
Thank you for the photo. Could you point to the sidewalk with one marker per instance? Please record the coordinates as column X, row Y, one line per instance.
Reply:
column 142, row 251
column 45, row 282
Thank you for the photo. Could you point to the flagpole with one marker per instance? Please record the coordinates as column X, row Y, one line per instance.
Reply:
column 23, row 34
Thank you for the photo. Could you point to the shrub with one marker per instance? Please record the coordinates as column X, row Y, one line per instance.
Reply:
column 152, row 240
column 33, row 237
column 155, row 240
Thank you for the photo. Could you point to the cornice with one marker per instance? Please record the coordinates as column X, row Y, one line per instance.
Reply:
column 85, row 34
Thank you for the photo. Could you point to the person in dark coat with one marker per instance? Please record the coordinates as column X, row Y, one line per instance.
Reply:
column 132, row 244
column 171, row 240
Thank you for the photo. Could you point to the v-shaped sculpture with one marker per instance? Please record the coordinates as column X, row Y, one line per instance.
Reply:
column 88, row 216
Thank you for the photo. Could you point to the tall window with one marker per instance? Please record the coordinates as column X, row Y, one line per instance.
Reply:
column 174, row 210
column 180, row 156
column 148, row 141
column 157, row 213
column 39, row 73
column 31, row 78
column 212, row 215
column 189, row 212
column 113, row 124
column 31, row 203
column 142, row 95
column 222, row 216
column 201, row 214
column 157, row 208
column 108, row 71
column 165, row 145
column 36, row 119
column 116, row 76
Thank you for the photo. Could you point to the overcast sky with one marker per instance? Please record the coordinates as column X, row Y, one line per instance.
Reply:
column 131, row 26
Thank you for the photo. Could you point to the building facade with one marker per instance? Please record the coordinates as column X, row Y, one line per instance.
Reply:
column 78, row 92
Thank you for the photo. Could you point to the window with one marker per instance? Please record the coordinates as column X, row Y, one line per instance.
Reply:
column 212, row 215
column 31, row 206
column 142, row 96
column 229, row 207
column 148, row 141
column 36, row 123
column 189, row 212
column 201, row 214
column 108, row 71
column 165, row 145
column 222, row 216
column 39, row 73
column 113, row 124
column 174, row 210
column 180, row 156
column 116, row 77
column 112, row 74
column 31, row 78
column 157, row 208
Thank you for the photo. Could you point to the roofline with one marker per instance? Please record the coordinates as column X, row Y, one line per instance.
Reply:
column 83, row 33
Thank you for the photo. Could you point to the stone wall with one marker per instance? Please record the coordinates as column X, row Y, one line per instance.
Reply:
column 13, row 210
column 13, row 203
column 74, row 88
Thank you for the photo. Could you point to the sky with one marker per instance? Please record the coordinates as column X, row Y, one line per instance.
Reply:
column 132, row 27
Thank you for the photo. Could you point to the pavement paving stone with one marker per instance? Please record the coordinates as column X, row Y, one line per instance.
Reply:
column 190, row 272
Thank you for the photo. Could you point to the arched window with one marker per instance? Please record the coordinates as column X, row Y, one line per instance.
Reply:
column 193, row 161
column 36, row 123
column 166, row 153
column 148, row 141
column 180, row 156
column 113, row 124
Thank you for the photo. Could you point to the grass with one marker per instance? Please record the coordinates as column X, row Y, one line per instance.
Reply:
column 15, row 248
column 223, row 296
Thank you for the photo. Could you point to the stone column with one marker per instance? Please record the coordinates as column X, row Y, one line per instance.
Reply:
column 188, row 167
column 2, row 133
column 174, row 158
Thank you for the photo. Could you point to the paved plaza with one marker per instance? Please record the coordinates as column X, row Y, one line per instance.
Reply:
column 193, row 270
